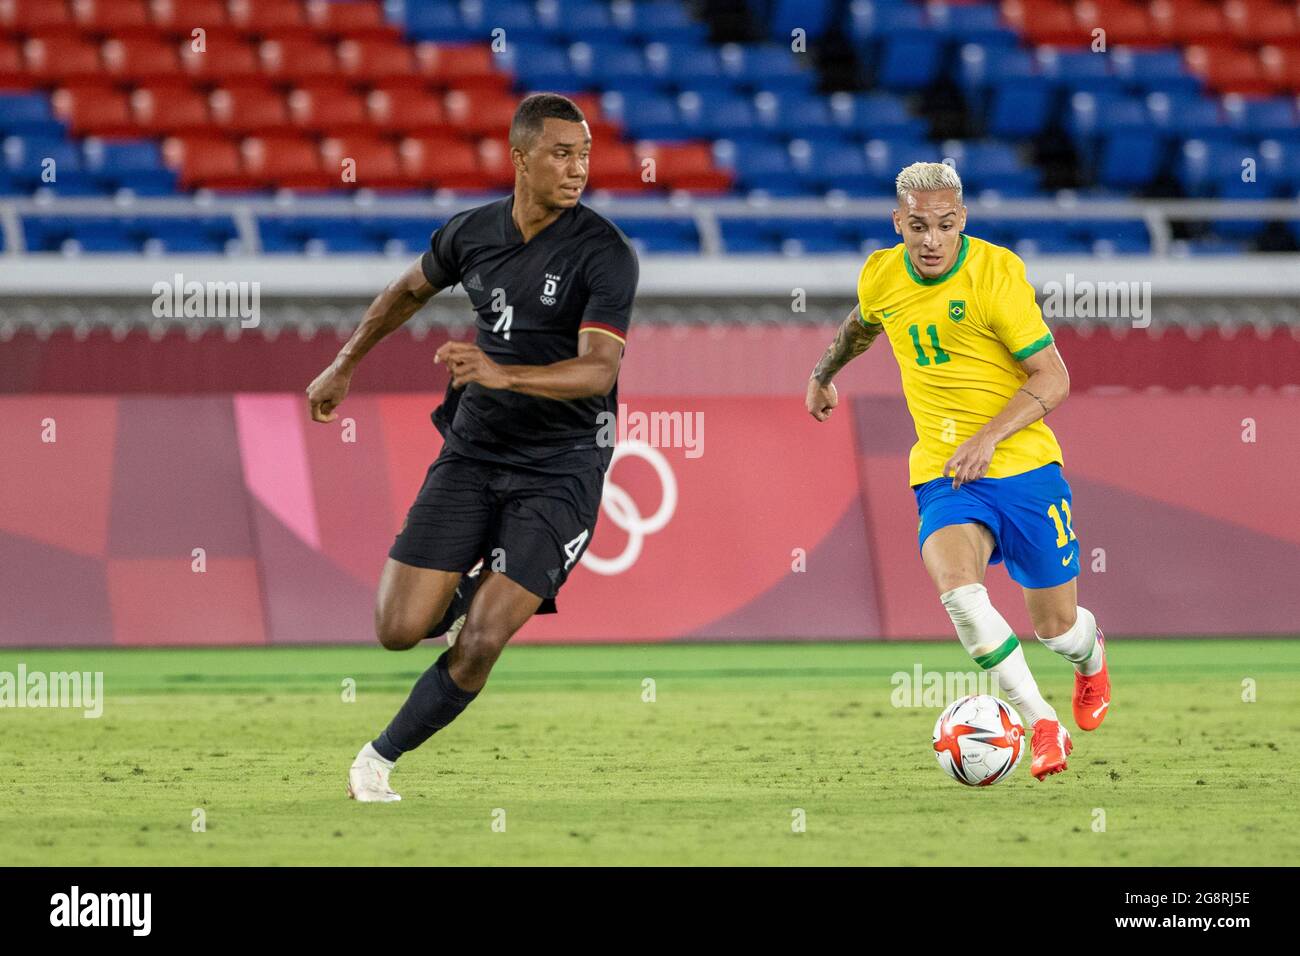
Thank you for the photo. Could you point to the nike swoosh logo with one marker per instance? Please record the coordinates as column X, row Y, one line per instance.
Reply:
column 1066, row 560
column 1097, row 713
column 886, row 315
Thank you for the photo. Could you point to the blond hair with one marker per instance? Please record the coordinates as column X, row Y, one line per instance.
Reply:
column 923, row 177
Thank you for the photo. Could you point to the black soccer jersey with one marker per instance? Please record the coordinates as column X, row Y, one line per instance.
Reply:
column 532, row 298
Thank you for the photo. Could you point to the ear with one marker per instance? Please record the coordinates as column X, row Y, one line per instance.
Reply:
column 898, row 223
column 519, row 159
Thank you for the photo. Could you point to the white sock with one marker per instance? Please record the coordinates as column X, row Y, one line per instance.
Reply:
column 988, row 639
column 1079, row 644
column 369, row 751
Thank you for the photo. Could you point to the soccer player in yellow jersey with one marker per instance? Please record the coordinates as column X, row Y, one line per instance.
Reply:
column 979, row 373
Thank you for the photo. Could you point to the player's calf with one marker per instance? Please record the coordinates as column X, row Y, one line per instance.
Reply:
column 988, row 638
column 1084, row 646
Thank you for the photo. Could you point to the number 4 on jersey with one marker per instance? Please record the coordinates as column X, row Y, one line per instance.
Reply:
column 503, row 321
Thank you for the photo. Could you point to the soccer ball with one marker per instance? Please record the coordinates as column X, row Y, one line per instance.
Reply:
column 979, row 740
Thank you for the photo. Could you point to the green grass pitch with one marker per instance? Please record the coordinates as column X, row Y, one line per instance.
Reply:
column 737, row 739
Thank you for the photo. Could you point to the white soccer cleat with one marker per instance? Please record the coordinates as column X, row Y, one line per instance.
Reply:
column 368, row 777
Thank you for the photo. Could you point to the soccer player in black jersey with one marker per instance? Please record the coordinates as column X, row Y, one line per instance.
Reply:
column 519, row 479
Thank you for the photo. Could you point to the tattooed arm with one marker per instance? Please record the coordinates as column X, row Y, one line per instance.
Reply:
column 852, row 339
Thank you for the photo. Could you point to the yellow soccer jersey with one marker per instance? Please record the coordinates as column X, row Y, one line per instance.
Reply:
column 958, row 338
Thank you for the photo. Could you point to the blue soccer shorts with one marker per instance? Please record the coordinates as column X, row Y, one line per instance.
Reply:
column 1029, row 515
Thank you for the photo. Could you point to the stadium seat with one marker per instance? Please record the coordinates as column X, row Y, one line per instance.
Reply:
column 165, row 109
column 206, row 160
column 403, row 109
column 93, row 110
column 440, row 162
column 373, row 162
column 240, row 110
column 326, row 109
column 286, row 162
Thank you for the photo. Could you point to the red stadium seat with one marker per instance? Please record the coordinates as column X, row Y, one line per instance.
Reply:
column 1282, row 67
column 298, row 61
column 57, row 60
column 116, row 18
column 141, row 60
column 1228, row 69
column 373, row 61
column 613, row 166
column 181, row 17
column 1046, row 21
column 169, row 110
column 94, row 111
column 481, row 112
column 376, row 165
column 1188, row 21
column 405, row 110
column 13, row 71
column 226, row 57
column 440, row 162
column 1261, row 21
column 355, row 19
column 37, row 16
column 240, row 110
column 263, row 17
column 685, row 166
column 286, row 163
column 206, row 161
column 1122, row 21
column 494, row 163
column 464, row 67
column 328, row 110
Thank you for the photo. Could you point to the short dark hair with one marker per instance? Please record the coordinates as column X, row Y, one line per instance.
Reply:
column 534, row 110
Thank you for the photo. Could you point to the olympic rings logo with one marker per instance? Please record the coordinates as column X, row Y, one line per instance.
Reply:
column 623, row 511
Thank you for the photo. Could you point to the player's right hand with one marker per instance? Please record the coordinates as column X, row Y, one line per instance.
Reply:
column 327, row 392
column 821, row 399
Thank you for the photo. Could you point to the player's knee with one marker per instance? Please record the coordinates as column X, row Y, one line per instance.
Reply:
column 397, row 634
column 481, row 643
column 1053, row 623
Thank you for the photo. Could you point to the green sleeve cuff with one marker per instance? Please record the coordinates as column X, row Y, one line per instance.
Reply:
column 1021, row 354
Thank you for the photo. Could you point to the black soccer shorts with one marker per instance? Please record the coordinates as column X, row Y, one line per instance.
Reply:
column 530, row 526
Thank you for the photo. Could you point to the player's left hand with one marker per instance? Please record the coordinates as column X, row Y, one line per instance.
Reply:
column 970, row 461
column 468, row 363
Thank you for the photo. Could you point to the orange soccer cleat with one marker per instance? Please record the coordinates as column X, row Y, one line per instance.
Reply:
column 1092, row 694
column 1051, row 745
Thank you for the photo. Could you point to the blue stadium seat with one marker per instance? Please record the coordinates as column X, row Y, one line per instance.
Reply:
column 662, row 235
column 645, row 115
column 767, row 68
column 1205, row 166
column 87, row 234
column 1188, row 116
column 747, row 236
column 539, row 66
column 1155, row 71
column 614, row 66
column 136, row 165
column 666, row 21
column 908, row 63
column 1262, row 118
column 1081, row 71
column 165, row 235
column 28, row 114
column 576, row 20
column 979, row 23
column 439, row 21
column 877, row 115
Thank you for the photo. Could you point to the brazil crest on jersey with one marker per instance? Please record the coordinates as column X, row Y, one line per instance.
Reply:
column 958, row 339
